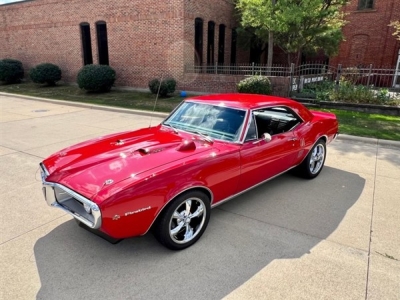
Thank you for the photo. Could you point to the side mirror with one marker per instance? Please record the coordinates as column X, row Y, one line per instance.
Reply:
column 266, row 137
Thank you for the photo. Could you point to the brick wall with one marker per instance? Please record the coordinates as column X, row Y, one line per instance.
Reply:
column 146, row 38
column 141, row 35
column 214, row 83
column 368, row 37
column 151, row 38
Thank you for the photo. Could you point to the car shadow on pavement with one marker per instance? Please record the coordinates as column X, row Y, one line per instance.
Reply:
column 284, row 218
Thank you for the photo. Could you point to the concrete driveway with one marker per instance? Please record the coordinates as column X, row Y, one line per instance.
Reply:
column 335, row 237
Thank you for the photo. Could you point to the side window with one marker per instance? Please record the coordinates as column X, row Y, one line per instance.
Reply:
column 252, row 132
column 275, row 120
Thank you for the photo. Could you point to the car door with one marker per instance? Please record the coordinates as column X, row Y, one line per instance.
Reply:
column 262, row 159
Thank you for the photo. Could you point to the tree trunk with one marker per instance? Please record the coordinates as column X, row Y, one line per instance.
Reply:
column 298, row 60
column 270, row 47
column 270, row 51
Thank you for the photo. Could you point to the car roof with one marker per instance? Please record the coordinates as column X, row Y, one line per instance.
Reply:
column 247, row 101
column 252, row 101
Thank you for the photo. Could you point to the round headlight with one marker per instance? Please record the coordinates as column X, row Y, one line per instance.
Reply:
column 87, row 208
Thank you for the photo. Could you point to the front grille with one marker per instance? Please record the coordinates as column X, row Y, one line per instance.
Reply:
column 72, row 204
column 61, row 197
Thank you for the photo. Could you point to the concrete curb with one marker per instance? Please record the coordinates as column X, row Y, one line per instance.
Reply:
column 372, row 141
column 341, row 137
column 90, row 106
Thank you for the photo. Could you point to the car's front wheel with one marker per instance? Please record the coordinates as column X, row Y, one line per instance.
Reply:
column 314, row 162
column 183, row 221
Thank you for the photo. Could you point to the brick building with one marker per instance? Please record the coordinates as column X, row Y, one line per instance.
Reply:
column 140, row 39
column 144, row 39
column 369, row 39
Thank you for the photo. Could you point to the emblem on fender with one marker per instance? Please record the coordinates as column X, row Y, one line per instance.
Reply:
column 137, row 211
column 108, row 181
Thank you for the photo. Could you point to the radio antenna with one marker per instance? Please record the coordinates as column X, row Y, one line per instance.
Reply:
column 155, row 102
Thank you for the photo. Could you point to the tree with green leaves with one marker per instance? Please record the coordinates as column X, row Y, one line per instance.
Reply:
column 296, row 26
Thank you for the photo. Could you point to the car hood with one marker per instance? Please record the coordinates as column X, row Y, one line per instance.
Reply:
column 89, row 166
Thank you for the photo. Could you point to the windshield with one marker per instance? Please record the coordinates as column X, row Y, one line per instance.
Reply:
column 217, row 122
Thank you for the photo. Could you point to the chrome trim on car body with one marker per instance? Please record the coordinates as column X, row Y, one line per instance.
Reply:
column 250, row 188
column 176, row 195
column 70, row 202
column 335, row 136
column 45, row 171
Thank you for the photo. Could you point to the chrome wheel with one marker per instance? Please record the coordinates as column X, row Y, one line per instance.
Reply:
column 313, row 162
column 187, row 220
column 183, row 220
column 317, row 159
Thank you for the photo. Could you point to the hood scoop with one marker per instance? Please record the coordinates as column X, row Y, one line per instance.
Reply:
column 187, row 145
column 147, row 151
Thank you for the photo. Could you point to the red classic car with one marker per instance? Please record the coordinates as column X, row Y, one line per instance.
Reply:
column 168, row 177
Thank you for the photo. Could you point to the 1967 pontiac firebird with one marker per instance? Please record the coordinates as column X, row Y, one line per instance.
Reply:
column 168, row 177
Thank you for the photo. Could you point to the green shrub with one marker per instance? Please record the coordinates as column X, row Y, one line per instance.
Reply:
column 351, row 75
column 255, row 85
column 153, row 85
column 348, row 92
column 11, row 70
column 96, row 78
column 168, row 86
column 320, row 90
column 45, row 73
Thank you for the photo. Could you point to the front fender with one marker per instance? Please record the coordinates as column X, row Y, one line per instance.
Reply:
column 129, row 208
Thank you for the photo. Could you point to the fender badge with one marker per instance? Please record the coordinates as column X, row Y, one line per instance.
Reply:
column 116, row 217
column 137, row 211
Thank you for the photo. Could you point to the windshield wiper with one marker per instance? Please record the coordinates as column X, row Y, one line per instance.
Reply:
column 173, row 128
column 203, row 135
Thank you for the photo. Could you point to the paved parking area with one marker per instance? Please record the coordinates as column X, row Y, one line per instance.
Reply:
column 335, row 237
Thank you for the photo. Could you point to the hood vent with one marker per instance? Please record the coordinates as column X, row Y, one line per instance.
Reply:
column 187, row 145
column 147, row 151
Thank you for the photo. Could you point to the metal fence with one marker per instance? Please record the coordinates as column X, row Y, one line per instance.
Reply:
column 239, row 69
column 308, row 73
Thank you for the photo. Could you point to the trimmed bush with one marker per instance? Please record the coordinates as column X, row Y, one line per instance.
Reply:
column 153, row 85
column 168, row 86
column 45, row 73
column 255, row 85
column 11, row 70
column 96, row 78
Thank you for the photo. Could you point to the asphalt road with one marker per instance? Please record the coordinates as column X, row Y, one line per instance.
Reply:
column 334, row 237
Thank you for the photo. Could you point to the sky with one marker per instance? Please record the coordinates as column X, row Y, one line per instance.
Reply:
column 9, row 1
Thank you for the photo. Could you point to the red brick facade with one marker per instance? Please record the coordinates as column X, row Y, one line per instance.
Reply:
column 151, row 38
column 146, row 38
column 369, row 39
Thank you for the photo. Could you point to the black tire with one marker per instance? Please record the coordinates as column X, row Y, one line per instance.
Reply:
column 314, row 162
column 183, row 221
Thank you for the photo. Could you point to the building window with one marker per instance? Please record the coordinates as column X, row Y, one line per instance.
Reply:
column 365, row 4
column 221, row 44
column 233, row 46
column 86, row 44
column 210, row 42
column 102, row 42
column 198, row 41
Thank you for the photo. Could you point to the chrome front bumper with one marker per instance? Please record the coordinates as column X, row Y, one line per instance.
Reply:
column 61, row 197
